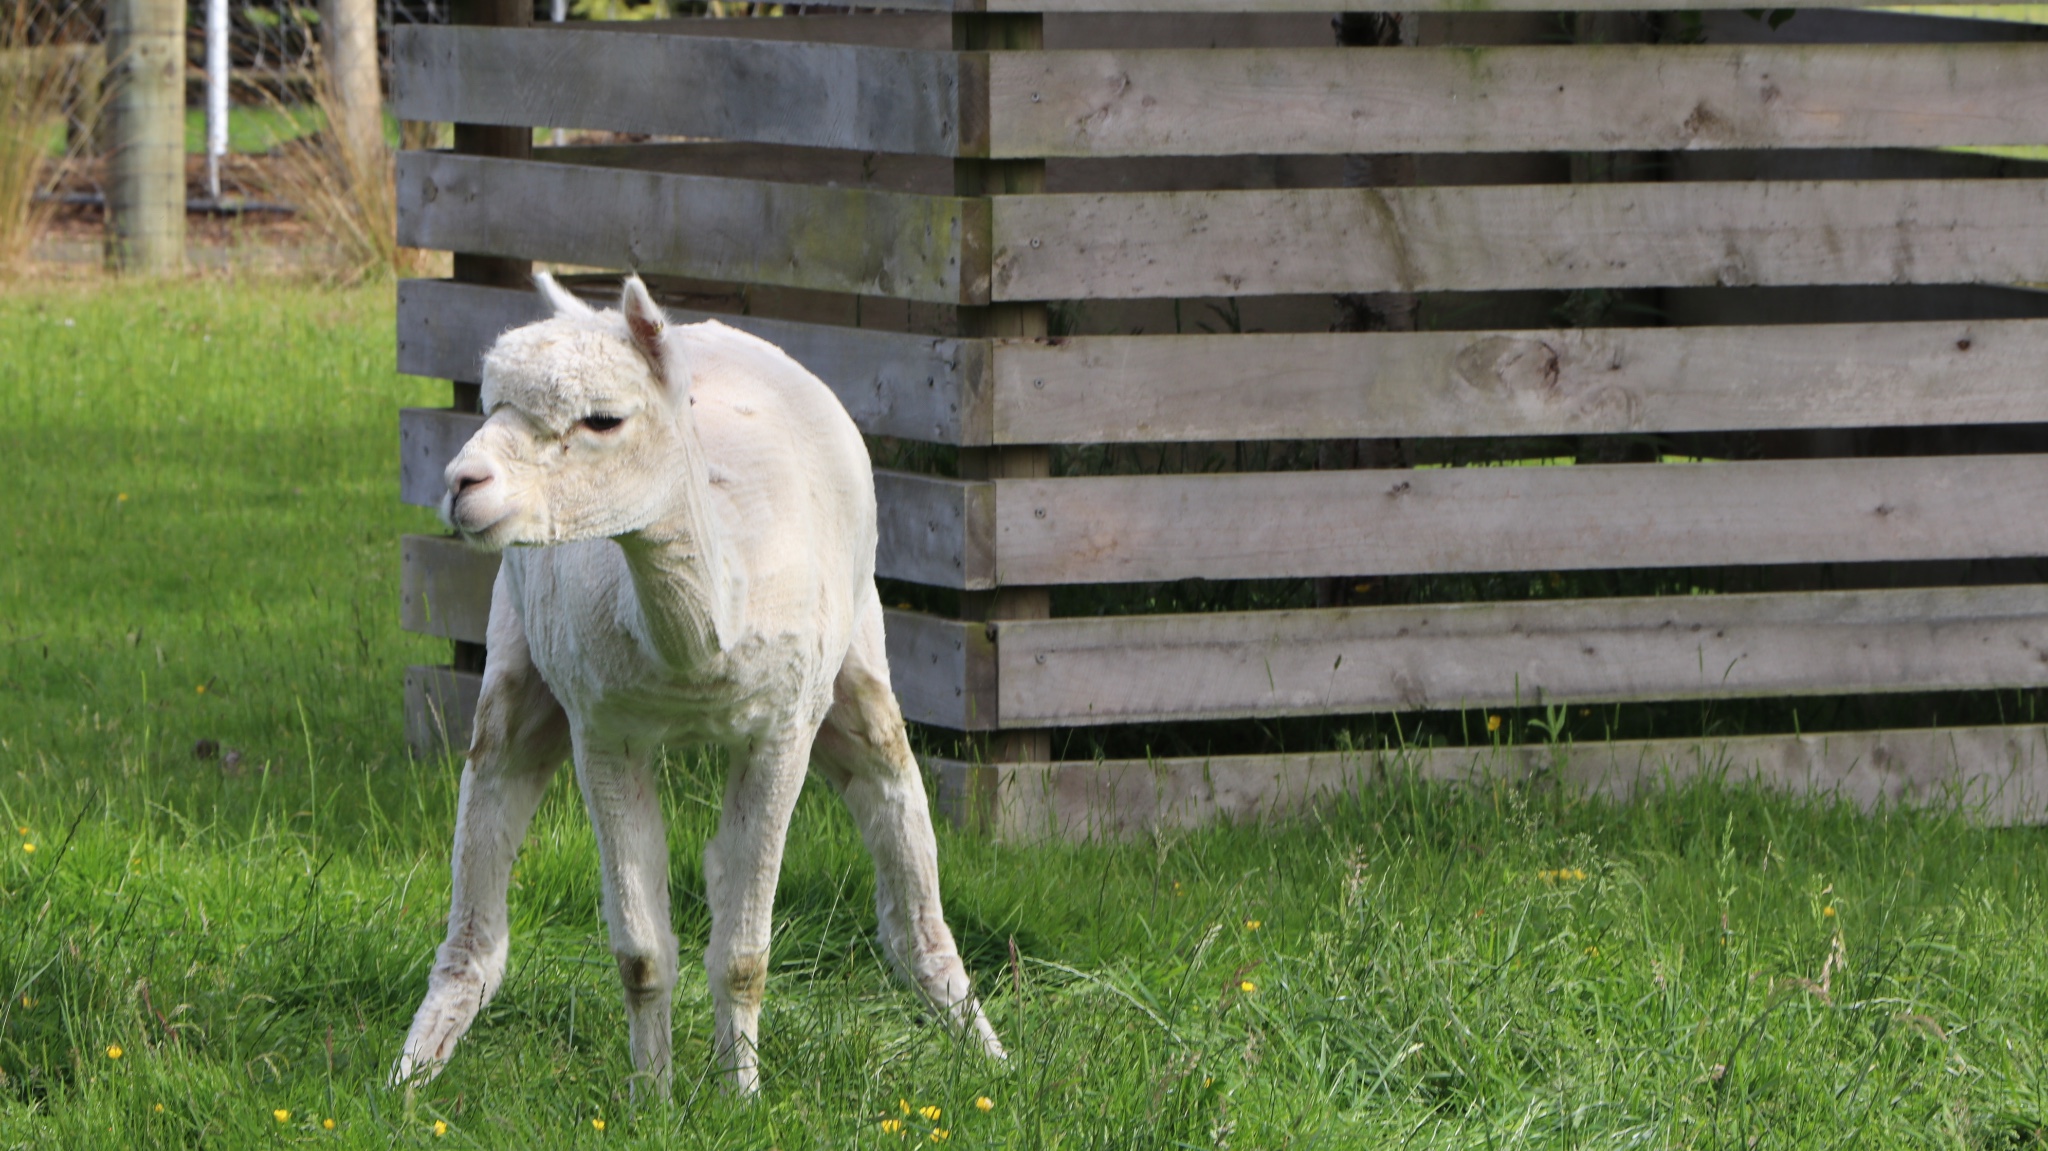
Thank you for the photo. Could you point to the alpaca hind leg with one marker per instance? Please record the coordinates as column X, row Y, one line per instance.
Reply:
column 521, row 737
column 741, row 865
column 620, row 790
column 864, row 751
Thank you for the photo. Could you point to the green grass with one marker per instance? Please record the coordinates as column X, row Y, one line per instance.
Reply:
column 1420, row 974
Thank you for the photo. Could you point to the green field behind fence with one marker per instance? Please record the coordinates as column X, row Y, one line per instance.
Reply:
column 199, row 542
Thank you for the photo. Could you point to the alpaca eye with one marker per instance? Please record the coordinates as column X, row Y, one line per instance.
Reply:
column 602, row 423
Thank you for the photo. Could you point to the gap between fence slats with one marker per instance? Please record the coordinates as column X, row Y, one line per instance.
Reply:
column 1143, row 669
column 892, row 383
column 830, row 239
column 1425, row 239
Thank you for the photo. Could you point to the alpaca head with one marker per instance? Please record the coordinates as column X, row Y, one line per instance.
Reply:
column 584, row 435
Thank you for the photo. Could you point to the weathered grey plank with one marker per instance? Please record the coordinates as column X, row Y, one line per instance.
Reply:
column 1592, row 97
column 1116, row 529
column 440, row 710
column 1999, row 775
column 831, row 239
column 428, row 439
column 943, row 670
column 1051, row 6
column 445, row 588
column 777, row 92
column 1133, row 669
column 892, row 383
column 935, row 531
column 1110, row 389
column 1529, row 236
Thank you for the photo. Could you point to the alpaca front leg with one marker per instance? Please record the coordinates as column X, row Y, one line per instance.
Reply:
column 625, row 810
column 741, row 865
column 521, row 737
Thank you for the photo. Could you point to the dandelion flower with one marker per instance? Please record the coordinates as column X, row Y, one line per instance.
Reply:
column 22, row 830
column 440, row 1128
column 122, row 498
column 1253, row 924
column 940, row 1134
column 281, row 1115
column 984, row 1103
column 597, row 1124
column 199, row 689
column 159, row 1108
column 903, row 1105
column 27, row 1002
column 930, row 1112
column 29, row 847
column 1493, row 723
column 114, row 1051
column 1247, row 987
column 1828, row 911
column 327, row 1123
column 892, row 1126
column 1593, row 951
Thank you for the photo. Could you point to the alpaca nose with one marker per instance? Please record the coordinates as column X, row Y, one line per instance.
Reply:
column 471, row 477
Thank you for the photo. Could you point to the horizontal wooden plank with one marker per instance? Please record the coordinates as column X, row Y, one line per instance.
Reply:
column 1520, row 236
column 830, row 239
column 943, row 670
column 445, row 588
column 1552, row 98
column 1128, row 389
column 1123, row 529
column 779, row 92
column 440, row 710
column 893, row 383
column 428, row 439
column 935, row 530
column 1138, row 669
column 1051, row 7
column 1997, row 775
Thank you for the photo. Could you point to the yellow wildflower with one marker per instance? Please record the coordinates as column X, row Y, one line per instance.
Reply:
column 114, row 1051
column 22, row 830
column 327, row 1123
column 1247, row 987
column 281, row 1115
column 984, row 1103
column 199, row 689
column 440, row 1128
column 597, row 1124
column 27, row 1002
column 903, row 1105
column 159, row 1108
column 1593, row 951
column 1493, row 723
column 940, row 1134
column 892, row 1126
column 29, row 847
column 1253, row 924
column 930, row 1113
column 1828, row 911
column 121, row 498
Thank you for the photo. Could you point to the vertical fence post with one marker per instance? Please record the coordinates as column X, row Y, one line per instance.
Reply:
column 350, row 31
column 976, row 177
column 146, row 195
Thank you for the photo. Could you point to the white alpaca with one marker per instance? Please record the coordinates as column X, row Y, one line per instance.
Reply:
column 705, row 516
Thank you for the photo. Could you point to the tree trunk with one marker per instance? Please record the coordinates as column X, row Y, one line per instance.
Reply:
column 350, row 29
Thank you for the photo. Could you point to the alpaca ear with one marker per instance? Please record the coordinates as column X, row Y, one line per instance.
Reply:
column 559, row 298
column 646, row 323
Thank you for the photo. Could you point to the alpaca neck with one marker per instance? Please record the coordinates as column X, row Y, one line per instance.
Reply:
column 688, row 592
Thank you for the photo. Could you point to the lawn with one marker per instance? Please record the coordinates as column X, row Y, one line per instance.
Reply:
column 200, row 544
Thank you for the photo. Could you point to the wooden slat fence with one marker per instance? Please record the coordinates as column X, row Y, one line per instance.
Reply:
column 865, row 191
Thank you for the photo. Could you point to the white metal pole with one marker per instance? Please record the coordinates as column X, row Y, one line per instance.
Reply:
column 216, row 93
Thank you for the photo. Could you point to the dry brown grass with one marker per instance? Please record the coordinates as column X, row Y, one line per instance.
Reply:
column 346, row 194
column 44, row 78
